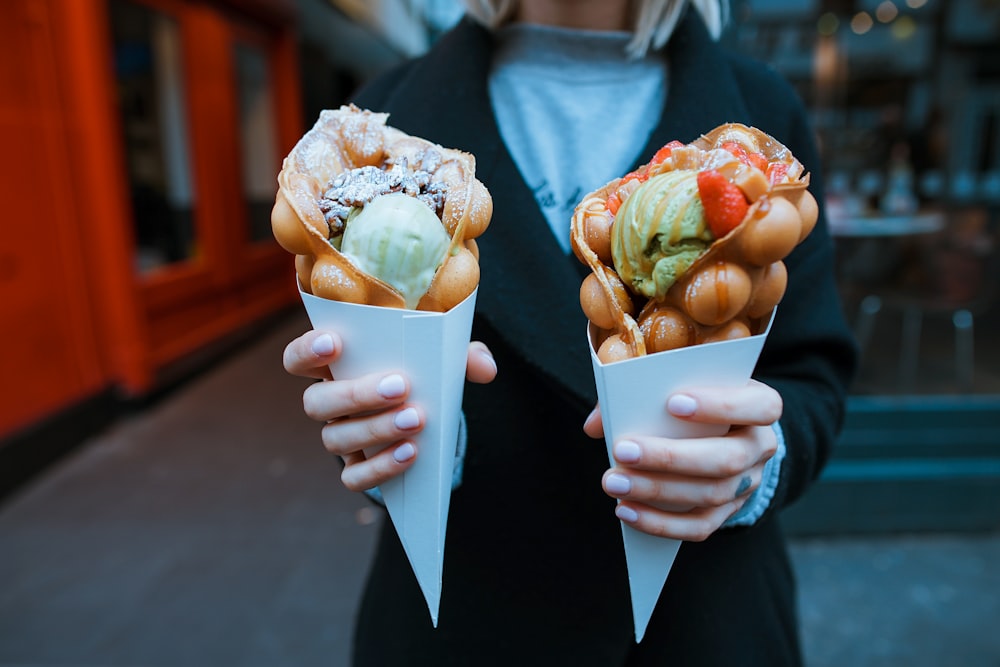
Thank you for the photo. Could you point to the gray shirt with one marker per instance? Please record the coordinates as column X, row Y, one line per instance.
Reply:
column 551, row 86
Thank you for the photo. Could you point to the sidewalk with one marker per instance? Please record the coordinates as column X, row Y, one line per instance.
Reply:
column 212, row 530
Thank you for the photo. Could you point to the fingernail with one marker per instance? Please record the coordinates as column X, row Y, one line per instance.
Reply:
column 618, row 485
column 627, row 451
column 487, row 357
column 323, row 346
column 590, row 418
column 682, row 405
column 404, row 452
column 391, row 386
column 626, row 514
column 407, row 419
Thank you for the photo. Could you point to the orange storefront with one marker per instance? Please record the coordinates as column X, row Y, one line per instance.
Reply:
column 141, row 140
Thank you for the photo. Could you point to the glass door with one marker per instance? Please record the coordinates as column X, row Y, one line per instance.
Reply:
column 258, row 132
column 148, row 52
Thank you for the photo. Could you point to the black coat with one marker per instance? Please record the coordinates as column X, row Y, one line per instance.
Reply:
column 534, row 568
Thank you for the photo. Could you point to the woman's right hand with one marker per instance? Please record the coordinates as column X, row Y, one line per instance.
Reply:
column 366, row 412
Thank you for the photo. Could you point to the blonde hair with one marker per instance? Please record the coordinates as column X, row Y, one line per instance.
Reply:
column 655, row 20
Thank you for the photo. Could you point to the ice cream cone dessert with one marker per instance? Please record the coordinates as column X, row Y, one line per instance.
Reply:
column 383, row 227
column 378, row 217
column 688, row 248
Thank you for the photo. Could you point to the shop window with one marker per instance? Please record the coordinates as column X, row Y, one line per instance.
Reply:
column 148, row 64
column 904, row 98
column 257, row 136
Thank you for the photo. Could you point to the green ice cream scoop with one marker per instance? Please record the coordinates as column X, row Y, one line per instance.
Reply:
column 659, row 232
column 399, row 240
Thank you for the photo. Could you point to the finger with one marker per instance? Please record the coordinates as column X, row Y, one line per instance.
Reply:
column 345, row 436
column 482, row 367
column 752, row 404
column 310, row 354
column 325, row 401
column 594, row 425
column 716, row 457
column 361, row 474
column 675, row 493
column 694, row 526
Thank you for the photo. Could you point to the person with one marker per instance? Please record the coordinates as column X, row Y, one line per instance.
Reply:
column 554, row 98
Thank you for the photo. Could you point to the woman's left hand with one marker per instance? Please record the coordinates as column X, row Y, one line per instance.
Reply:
column 686, row 488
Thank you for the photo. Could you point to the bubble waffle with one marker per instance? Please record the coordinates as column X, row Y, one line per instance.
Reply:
column 734, row 204
column 355, row 146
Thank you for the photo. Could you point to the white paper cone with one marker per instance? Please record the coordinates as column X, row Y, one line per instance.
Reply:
column 432, row 350
column 633, row 396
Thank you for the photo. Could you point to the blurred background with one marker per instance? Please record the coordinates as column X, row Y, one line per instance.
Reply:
column 156, row 473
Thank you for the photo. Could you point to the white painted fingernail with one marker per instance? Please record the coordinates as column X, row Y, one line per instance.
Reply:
column 682, row 405
column 407, row 419
column 323, row 345
column 391, row 386
column 617, row 484
column 627, row 451
column 404, row 452
column 626, row 514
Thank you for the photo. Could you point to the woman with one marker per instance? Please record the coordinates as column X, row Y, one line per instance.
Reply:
column 555, row 98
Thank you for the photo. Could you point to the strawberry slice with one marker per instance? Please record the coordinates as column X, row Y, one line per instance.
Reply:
column 776, row 172
column 737, row 150
column 758, row 160
column 725, row 205
column 665, row 152
column 614, row 203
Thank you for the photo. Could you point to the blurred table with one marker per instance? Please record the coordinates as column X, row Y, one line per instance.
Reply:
column 876, row 225
column 875, row 250
column 876, row 253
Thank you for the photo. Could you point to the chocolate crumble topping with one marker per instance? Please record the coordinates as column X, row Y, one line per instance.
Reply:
column 355, row 188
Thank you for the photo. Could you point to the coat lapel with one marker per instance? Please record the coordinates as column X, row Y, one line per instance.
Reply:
column 529, row 292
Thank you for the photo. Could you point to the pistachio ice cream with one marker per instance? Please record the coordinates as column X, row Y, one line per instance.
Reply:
column 659, row 232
